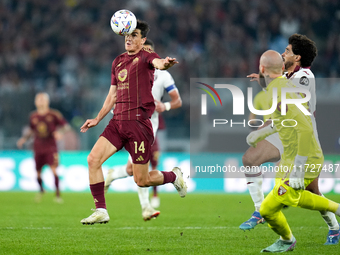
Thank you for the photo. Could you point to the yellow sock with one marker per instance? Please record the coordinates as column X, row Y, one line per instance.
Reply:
column 312, row 201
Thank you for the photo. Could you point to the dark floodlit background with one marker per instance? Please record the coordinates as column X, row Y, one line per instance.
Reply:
column 66, row 49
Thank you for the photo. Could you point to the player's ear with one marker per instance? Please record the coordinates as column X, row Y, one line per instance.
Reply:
column 143, row 40
column 297, row 58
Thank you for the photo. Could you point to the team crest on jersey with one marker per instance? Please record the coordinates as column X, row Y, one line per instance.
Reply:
column 281, row 191
column 135, row 61
column 42, row 129
column 122, row 75
column 304, row 81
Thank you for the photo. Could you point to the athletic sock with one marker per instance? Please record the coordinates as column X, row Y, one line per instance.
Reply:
column 120, row 172
column 330, row 219
column 169, row 177
column 254, row 184
column 56, row 182
column 143, row 194
column 154, row 191
column 97, row 191
column 40, row 184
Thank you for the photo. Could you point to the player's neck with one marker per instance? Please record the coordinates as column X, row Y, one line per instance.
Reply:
column 135, row 51
column 43, row 110
column 292, row 68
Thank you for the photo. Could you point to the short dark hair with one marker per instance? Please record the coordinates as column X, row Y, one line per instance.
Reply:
column 149, row 42
column 305, row 47
column 144, row 27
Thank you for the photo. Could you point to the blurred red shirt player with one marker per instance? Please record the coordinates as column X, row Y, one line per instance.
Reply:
column 44, row 123
column 132, row 79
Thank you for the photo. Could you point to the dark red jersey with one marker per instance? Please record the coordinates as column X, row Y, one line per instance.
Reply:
column 43, row 127
column 134, row 75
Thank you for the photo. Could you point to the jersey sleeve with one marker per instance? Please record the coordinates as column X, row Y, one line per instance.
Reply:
column 150, row 55
column 113, row 75
column 169, row 83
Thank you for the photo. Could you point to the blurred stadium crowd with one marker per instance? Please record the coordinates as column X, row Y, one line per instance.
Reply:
column 66, row 48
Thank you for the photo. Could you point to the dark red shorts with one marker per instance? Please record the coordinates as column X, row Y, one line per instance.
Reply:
column 136, row 136
column 50, row 158
column 154, row 154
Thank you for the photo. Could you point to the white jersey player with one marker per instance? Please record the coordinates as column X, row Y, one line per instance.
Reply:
column 163, row 81
column 302, row 78
column 298, row 57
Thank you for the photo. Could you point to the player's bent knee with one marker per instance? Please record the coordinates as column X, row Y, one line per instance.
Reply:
column 92, row 161
column 248, row 159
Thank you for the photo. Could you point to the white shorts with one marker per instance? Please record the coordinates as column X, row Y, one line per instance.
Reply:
column 274, row 139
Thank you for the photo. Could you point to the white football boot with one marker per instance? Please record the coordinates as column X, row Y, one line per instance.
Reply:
column 148, row 213
column 109, row 179
column 179, row 183
column 100, row 215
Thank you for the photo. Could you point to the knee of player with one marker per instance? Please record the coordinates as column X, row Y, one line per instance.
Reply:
column 92, row 161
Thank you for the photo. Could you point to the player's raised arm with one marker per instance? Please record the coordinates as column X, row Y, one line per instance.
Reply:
column 107, row 106
column 164, row 63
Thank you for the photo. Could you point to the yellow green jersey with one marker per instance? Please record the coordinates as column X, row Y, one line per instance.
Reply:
column 261, row 102
column 295, row 131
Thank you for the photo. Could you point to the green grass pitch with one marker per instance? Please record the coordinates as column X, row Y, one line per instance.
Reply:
column 197, row 224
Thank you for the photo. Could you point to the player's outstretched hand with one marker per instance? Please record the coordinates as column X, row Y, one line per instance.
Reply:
column 169, row 62
column 254, row 77
column 88, row 124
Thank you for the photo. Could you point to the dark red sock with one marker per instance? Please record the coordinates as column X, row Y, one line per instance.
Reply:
column 56, row 182
column 97, row 191
column 40, row 184
column 154, row 191
column 168, row 177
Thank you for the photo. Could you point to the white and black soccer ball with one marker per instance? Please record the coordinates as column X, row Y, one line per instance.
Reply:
column 123, row 22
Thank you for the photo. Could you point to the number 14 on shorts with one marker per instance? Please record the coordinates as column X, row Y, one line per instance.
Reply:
column 140, row 147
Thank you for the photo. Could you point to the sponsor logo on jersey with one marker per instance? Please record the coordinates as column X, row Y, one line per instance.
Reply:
column 122, row 75
column 304, row 81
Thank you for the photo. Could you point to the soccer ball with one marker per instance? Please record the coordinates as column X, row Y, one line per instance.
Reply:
column 123, row 22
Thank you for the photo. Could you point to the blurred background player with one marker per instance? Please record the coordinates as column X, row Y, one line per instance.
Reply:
column 301, row 156
column 298, row 57
column 45, row 125
column 162, row 81
column 132, row 78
